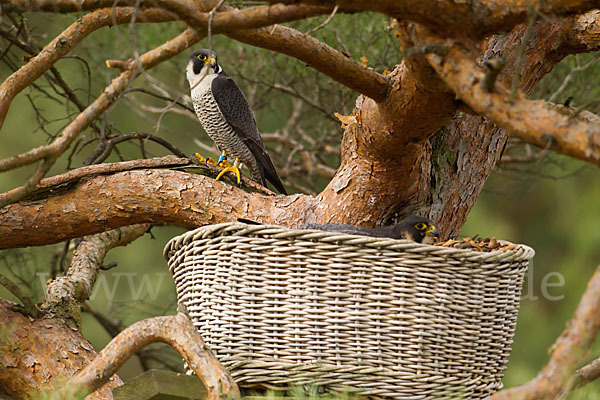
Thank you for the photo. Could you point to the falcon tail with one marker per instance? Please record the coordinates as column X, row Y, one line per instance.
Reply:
column 268, row 171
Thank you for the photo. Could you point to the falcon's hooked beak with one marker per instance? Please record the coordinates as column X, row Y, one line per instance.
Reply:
column 432, row 231
column 213, row 63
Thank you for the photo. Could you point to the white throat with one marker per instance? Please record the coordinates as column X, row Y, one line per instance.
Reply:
column 197, row 79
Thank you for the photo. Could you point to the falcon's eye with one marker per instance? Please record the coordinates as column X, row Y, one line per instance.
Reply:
column 421, row 226
column 201, row 57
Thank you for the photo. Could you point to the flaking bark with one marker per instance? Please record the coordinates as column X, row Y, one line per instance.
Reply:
column 33, row 353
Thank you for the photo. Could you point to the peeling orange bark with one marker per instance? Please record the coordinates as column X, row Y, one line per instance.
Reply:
column 535, row 121
column 34, row 353
column 100, row 203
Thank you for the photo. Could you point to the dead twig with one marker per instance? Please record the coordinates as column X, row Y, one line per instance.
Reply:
column 28, row 305
column 587, row 374
column 105, row 148
column 324, row 23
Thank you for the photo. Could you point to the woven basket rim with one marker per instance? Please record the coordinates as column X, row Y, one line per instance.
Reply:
column 520, row 252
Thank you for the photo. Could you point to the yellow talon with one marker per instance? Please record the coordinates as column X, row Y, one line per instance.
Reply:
column 231, row 168
column 208, row 160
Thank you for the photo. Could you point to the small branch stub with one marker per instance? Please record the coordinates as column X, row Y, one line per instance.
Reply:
column 492, row 69
column 119, row 64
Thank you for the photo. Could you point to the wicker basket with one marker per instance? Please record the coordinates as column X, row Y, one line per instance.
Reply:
column 386, row 318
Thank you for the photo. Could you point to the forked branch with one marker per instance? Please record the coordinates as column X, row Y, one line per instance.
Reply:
column 65, row 294
column 542, row 124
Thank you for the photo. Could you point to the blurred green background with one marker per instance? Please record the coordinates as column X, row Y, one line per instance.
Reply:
column 551, row 204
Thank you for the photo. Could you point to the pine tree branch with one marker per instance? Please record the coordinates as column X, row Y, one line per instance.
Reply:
column 65, row 294
column 176, row 331
column 542, row 124
column 556, row 377
column 99, row 203
column 49, row 153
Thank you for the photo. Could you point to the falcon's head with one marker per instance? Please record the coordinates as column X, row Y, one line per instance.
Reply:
column 202, row 63
column 416, row 228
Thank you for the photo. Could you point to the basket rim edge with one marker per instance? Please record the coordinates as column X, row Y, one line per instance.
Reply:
column 177, row 242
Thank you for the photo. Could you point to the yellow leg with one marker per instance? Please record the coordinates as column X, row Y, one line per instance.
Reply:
column 223, row 160
column 208, row 160
column 232, row 168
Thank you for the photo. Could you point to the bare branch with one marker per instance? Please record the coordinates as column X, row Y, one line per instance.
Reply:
column 187, row 164
column 62, row 44
column 28, row 304
column 111, row 168
column 65, row 294
column 537, row 122
column 22, row 191
column 114, row 326
column 50, row 152
column 324, row 23
column 103, row 151
column 460, row 18
column 555, row 379
column 176, row 331
column 194, row 13
column 307, row 163
column 587, row 374
column 158, row 96
column 319, row 56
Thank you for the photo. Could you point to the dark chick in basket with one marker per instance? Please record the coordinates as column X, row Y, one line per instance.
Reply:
column 413, row 227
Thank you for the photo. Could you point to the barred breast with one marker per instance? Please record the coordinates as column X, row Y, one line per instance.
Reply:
column 219, row 130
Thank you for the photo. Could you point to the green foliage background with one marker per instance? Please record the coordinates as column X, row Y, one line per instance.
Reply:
column 551, row 204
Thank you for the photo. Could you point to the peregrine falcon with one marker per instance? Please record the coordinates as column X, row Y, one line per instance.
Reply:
column 413, row 228
column 225, row 114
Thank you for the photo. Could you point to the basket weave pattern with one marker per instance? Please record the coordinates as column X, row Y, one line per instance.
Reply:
column 387, row 318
